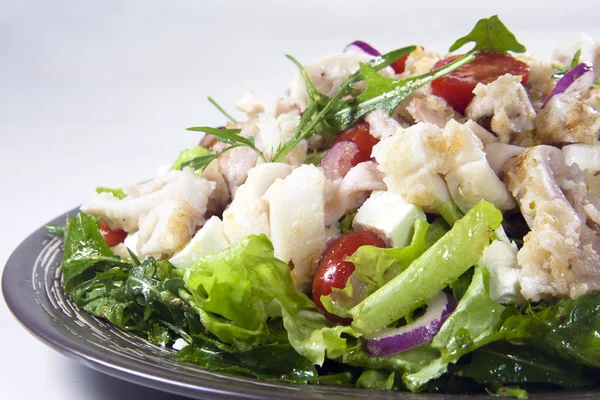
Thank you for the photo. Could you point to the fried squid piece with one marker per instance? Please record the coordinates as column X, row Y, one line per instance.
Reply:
column 559, row 257
column 141, row 199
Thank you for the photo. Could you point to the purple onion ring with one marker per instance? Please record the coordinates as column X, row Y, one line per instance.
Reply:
column 338, row 159
column 389, row 341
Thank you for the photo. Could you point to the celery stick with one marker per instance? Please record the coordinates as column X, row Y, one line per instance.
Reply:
column 441, row 264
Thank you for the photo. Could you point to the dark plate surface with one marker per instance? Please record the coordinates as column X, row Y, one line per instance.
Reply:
column 31, row 286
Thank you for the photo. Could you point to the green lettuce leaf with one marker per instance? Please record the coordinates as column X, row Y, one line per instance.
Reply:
column 440, row 265
column 239, row 290
column 188, row 155
column 374, row 267
column 477, row 317
column 490, row 34
column 376, row 379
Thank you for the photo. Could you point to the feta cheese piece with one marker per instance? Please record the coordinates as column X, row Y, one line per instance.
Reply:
column 179, row 344
column 208, row 240
column 500, row 259
column 390, row 216
column 585, row 155
column 297, row 221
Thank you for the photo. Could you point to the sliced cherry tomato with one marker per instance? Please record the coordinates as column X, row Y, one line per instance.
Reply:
column 333, row 271
column 457, row 87
column 359, row 134
column 112, row 236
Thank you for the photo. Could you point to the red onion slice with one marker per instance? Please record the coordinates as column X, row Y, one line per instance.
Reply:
column 358, row 46
column 208, row 140
column 389, row 341
column 338, row 159
column 578, row 78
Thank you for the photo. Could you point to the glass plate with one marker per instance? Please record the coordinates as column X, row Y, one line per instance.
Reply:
column 32, row 290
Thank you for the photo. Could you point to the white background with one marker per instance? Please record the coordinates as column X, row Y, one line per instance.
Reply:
column 100, row 93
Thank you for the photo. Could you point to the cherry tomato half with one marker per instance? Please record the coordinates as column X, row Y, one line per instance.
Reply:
column 112, row 236
column 333, row 271
column 359, row 134
column 457, row 87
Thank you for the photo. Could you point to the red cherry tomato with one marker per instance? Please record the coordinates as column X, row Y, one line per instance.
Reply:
column 457, row 87
column 333, row 271
column 359, row 134
column 112, row 237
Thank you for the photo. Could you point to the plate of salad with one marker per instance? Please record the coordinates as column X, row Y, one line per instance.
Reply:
column 402, row 221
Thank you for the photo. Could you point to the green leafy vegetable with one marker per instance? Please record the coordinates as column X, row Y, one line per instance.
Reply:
column 346, row 223
column 273, row 362
column 509, row 391
column 118, row 193
column 376, row 379
column 490, row 34
column 506, row 364
column 84, row 248
column 188, row 155
column 218, row 107
column 440, row 265
column 476, row 318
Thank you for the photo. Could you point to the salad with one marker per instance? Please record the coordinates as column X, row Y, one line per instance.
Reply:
column 401, row 221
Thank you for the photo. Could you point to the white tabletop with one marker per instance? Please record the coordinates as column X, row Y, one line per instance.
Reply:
column 99, row 93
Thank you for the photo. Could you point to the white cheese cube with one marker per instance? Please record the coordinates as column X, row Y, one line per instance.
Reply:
column 390, row 216
column 500, row 259
column 209, row 239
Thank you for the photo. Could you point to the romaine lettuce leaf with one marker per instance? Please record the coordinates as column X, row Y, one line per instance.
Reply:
column 440, row 265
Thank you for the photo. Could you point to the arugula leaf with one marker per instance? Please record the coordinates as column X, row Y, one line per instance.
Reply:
column 84, row 248
column 228, row 136
column 385, row 93
column 314, row 118
column 490, row 34
column 118, row 193
column 218, row 107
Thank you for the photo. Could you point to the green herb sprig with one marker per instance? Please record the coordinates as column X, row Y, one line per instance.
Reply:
column 490, row 34
column 228, row 136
